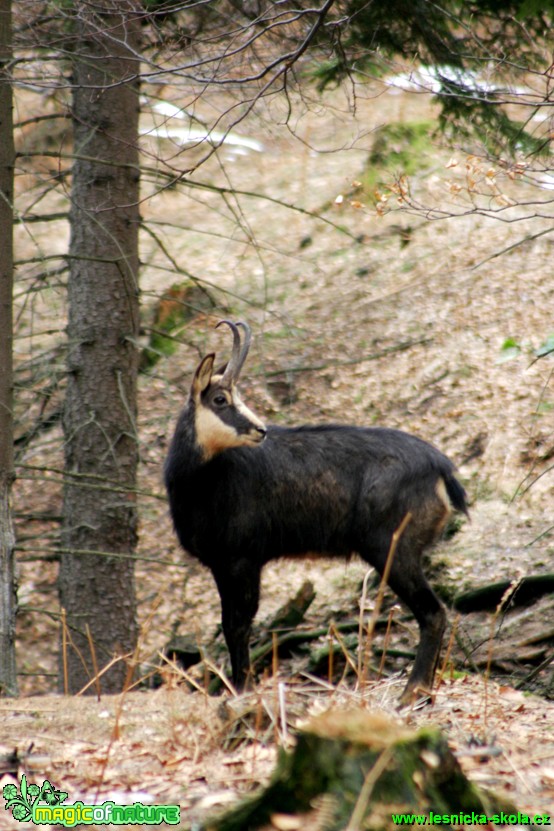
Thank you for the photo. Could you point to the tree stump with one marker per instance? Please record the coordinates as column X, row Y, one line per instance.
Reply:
column 355, row 770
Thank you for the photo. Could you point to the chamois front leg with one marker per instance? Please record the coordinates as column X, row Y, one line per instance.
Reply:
column 239, row 590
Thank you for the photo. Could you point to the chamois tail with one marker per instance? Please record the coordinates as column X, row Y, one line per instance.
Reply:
column 456, row 493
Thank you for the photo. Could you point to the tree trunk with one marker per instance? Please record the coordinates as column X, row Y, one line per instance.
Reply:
column 101, row 446
column 8, row 678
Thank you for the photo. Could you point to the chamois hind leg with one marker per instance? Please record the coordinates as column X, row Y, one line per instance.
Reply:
column 239, row 590
column 407, row 580
column 414, row 590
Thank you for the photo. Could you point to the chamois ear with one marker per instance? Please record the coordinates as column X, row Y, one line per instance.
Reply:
column 203, row 375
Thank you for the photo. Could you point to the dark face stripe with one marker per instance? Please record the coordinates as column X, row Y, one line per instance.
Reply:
column 222, row 425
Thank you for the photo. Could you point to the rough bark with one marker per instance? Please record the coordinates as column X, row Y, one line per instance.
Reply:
column 97, row 589
column 8, row 678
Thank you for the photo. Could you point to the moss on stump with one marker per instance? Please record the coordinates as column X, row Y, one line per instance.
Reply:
column 353, row 770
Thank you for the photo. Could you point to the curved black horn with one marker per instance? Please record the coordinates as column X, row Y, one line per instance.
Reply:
column 233, row 367
column 238, row 355
column 245, row 346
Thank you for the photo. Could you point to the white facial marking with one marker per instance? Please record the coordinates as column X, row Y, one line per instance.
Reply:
column 245, row 411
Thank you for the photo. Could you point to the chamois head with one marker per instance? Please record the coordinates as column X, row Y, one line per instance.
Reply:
column 222, row 420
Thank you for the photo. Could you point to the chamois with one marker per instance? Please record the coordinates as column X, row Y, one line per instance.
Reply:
column 242, row 494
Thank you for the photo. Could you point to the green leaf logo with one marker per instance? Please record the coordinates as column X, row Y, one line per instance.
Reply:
column 21, row 802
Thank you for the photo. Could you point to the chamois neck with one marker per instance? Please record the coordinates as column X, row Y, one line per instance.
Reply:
column 185, row 455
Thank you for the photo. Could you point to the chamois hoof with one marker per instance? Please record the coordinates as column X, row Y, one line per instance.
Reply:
column 416, row 697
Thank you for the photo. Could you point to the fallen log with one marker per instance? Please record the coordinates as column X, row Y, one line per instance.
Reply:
column 293, row 611
column 487, row 598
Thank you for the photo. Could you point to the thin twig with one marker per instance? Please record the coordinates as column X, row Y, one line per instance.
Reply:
column 522, row 241
column 372, row 356
column 360, row 808
column 64, row 653
column 395, row 539
column 94, row 660
column 85, row 552
column 535, row 671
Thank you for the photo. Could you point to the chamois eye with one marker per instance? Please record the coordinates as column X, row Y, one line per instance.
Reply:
column 220, row 400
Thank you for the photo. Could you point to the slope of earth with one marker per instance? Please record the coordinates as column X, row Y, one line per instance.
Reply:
column 360, row 316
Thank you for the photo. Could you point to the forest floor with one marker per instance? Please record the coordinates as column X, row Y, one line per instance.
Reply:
column 404, row 319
